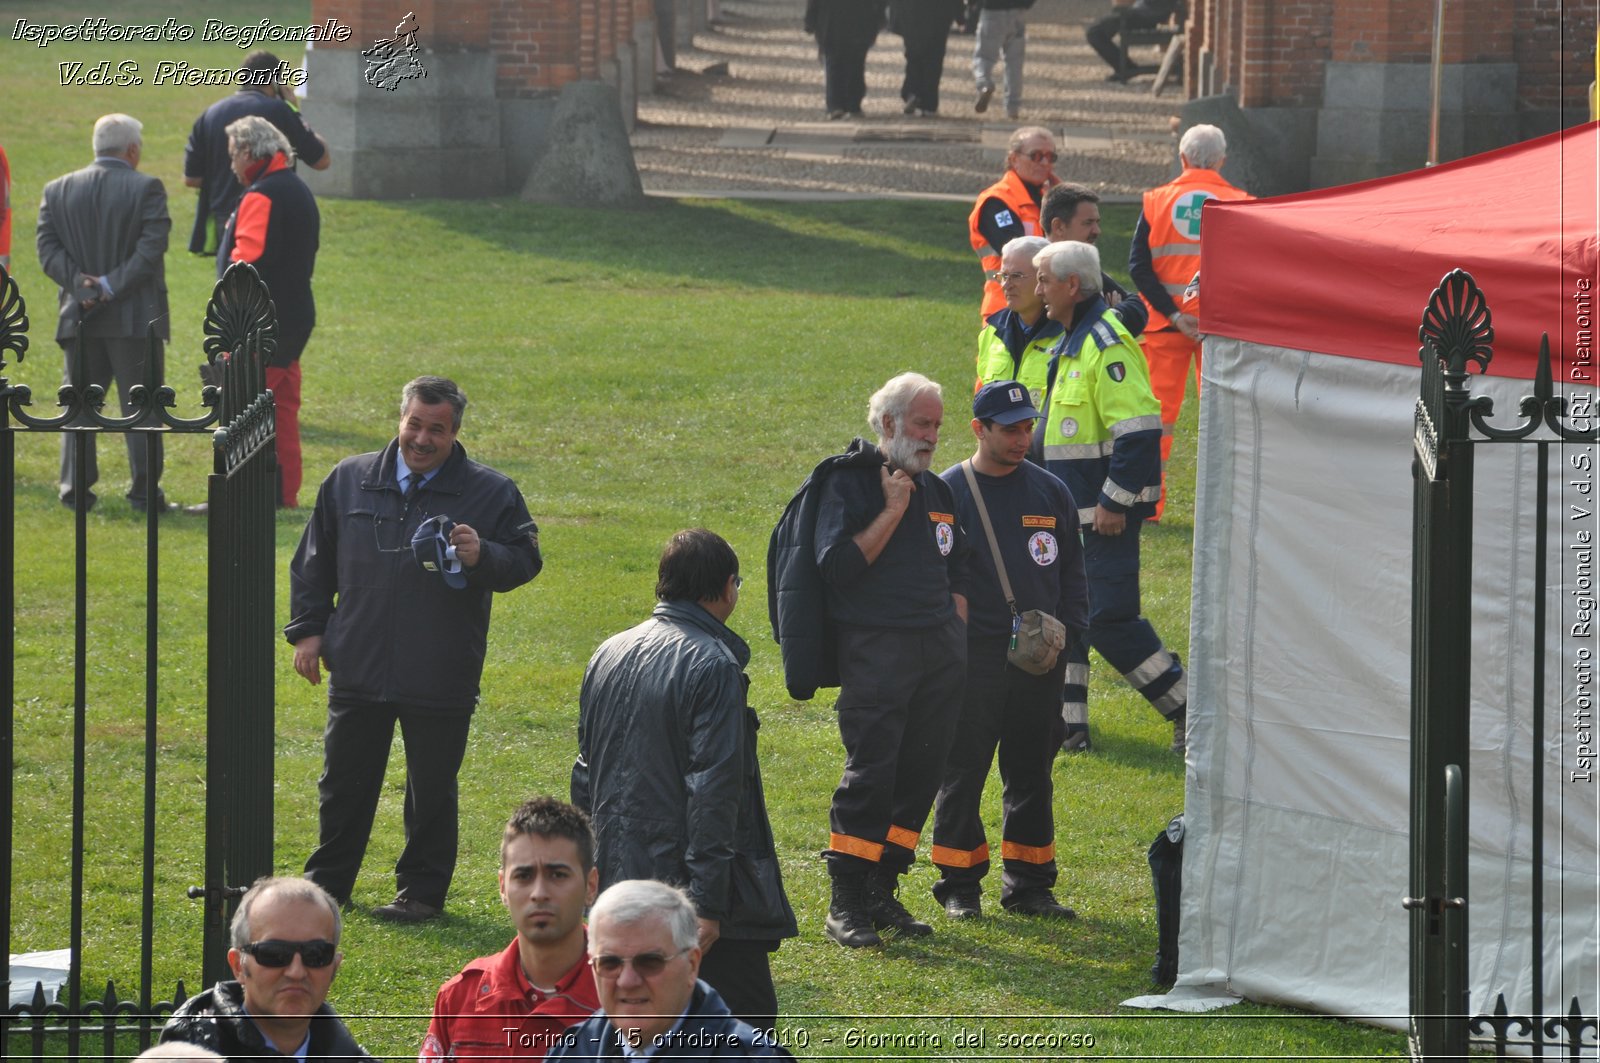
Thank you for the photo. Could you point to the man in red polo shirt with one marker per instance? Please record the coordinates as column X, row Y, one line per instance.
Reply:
column 517, row 1004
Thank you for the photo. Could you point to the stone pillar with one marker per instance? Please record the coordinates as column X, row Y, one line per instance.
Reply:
column 1377, row 89
column 437, row 135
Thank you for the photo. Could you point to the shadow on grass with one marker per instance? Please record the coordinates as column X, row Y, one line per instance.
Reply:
column 868, row 248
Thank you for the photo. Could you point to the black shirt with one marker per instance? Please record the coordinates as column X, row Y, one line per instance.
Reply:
column 1036, row 524
column 921, row 566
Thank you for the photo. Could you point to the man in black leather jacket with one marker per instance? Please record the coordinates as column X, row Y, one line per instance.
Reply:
column 667, row 770
column 284, row 957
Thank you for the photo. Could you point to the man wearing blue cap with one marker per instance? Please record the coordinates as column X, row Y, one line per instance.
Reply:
column 401, row 621
column 1028, row 518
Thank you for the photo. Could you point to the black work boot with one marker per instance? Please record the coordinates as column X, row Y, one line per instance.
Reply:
column 887, row 911
column 849, row 919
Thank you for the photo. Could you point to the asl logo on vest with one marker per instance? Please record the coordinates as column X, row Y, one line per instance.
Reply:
column 1186, row 213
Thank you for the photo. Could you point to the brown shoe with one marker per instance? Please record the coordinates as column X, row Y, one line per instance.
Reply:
column 406, row 910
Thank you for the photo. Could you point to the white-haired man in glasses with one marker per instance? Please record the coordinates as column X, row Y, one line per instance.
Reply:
column 644, row 948
column 284, row 956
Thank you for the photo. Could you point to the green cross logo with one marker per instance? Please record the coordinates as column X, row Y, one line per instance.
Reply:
column 1186, row 214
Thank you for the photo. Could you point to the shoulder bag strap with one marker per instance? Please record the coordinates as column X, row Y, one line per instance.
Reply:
column 988, row 530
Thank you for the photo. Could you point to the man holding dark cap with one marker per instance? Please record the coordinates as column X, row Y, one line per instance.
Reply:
column 402, row 627
column 1032, row 524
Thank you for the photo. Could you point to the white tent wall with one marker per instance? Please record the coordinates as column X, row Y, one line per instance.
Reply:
column 1297, row 798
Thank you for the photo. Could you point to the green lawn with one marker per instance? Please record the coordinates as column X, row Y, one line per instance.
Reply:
column 636, row 372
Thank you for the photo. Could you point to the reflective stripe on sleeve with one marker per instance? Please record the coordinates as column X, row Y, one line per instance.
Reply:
column 1150, row 422
column 1077, row 451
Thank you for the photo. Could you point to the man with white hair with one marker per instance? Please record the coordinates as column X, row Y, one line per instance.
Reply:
column 879, row 531
column 1164, row 262
column 276, row 229
column 1102, row 438
column 284, row 957
column 102, row 236
column 1016, row 340
column 644, row 948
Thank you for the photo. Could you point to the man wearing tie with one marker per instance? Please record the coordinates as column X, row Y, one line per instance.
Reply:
column 401, row 627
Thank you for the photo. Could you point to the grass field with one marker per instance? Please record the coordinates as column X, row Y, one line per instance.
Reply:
column 636, row 372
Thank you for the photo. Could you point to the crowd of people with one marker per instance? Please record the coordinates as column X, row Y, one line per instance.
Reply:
column 846, row 30
column 102, row 236
column 951, row 649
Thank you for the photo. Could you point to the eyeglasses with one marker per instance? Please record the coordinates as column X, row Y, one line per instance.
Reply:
column 317, row 953
column 1042, row 156
column 645, row 964
column 1014, row 278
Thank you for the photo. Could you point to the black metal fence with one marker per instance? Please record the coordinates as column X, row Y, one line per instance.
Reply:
column 1450, row 424
column 238, row 411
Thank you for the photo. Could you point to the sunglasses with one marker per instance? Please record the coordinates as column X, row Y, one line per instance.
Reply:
column 645, row 964
column 1042, row 156
column 316, row 953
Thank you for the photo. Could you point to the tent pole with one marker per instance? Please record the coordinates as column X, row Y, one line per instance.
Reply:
column 1437, row 73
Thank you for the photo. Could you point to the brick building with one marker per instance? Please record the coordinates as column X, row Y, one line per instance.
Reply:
column 1344, row 87
column 474, row 123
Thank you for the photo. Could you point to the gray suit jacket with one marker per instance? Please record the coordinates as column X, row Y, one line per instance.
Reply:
column 108, row 220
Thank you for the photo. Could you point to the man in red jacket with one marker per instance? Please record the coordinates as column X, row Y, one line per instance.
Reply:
column 517, row 1003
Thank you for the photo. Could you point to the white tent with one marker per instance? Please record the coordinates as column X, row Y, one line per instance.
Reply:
column 1297, row 796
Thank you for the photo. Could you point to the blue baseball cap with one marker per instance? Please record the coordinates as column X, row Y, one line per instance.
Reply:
column 430, row 545
column 1003, row 402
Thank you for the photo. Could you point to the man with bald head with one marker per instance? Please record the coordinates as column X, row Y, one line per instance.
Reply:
column 284, row 957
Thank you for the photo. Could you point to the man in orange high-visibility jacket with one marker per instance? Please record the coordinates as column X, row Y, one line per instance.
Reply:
column 1163, row 262
column 1009, row 208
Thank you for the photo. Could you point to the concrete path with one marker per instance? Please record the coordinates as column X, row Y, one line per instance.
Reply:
column 758, row 128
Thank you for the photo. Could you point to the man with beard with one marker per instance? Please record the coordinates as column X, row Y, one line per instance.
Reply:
column 893, row 570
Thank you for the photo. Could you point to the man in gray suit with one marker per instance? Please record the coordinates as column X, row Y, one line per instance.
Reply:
column 102, row 236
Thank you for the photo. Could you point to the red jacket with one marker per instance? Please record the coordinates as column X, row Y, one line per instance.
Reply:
column 491, row 1010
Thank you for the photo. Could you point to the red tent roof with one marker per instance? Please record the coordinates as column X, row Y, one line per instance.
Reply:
column 1348, row 270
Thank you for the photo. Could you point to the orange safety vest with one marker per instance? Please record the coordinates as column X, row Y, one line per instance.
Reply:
column 1173, row 214
column 1013, row 193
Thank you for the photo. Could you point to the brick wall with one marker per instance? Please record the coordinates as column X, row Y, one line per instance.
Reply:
column 1272, row 52
column 538, row 45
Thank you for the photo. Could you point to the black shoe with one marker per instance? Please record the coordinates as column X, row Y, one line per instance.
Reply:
column 834, row 116
column 1038, row 902
column 406, row 910
column 849, row 922
column 964, row 904
column 981, row 104
column 1077, row 742
column 67, row 500
column 912, row 106
column 887, row 911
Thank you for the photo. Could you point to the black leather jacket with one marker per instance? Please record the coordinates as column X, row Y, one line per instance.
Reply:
column 216, row 1019
column 667, row 770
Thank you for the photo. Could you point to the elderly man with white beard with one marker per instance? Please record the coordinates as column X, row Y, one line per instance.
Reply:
column 893, row 564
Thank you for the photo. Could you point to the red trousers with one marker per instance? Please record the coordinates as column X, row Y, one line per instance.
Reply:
column 285, row 385
column 1168, row 353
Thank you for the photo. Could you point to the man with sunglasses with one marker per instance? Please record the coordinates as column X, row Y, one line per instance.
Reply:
column 644, row 947
column 403, row 635
column 517, row 1003
column 667, row 768
column 284, row 956
column 1009, row 208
